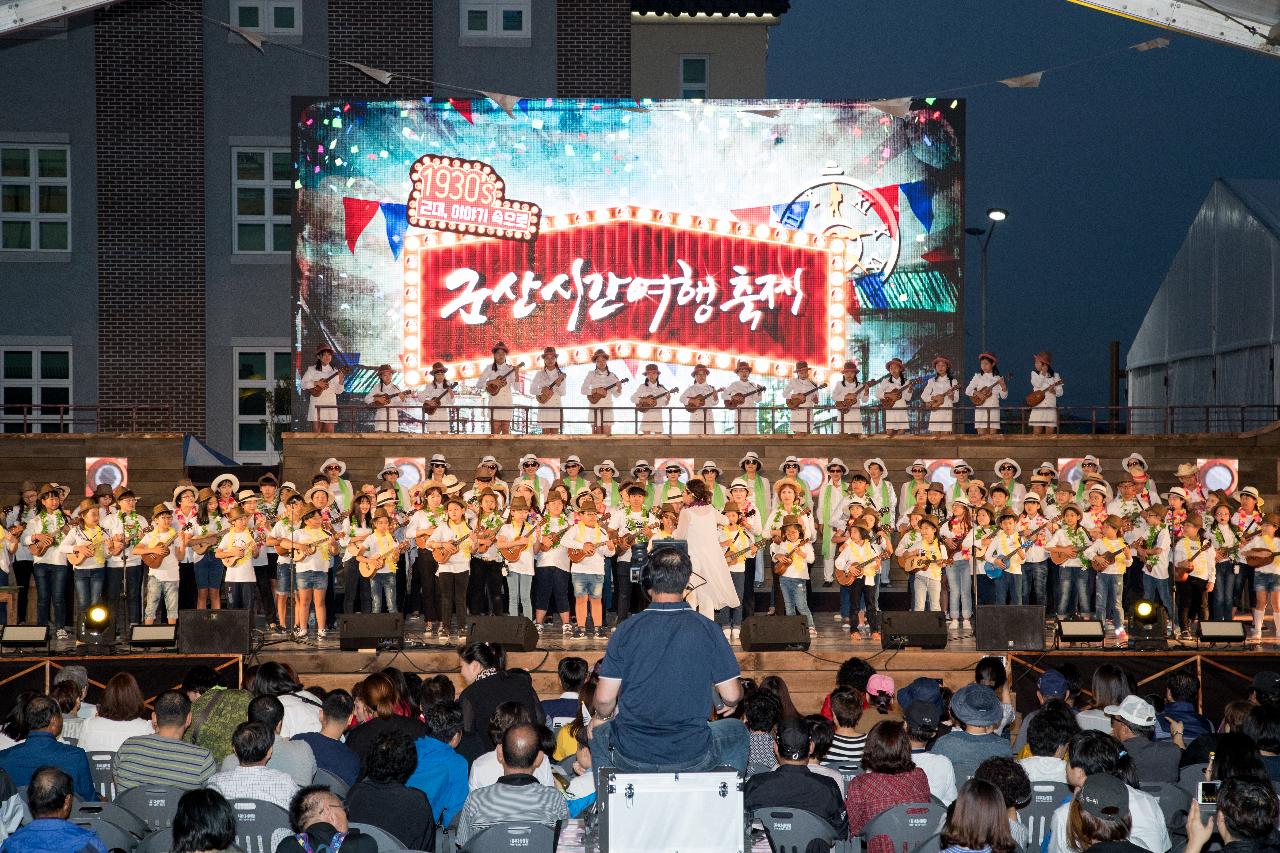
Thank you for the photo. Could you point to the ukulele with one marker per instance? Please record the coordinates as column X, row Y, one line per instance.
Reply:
column 42, row 542
column 1106, row 558
column 936, row 401
column 544, row 396
column 554, row 537
column 322, row 385
column 1036, row 397
column 374, row 564
column 1259, row 557
column 649, row 402
column 153, row 561
column 442, row 551
column 431, row 404
column 797, row 400
column 1182, row 570
column 626, row 540
column 738, row 399
column 697, row 401
column 493, row 386
column 588, row 549
column 912, row 563
column 511, row 553
column 849, row 574
column 597, row 394
column 732, row 556
column 848, row 401
column 230, row 562
column 83, row 551
column 893, row 396
column 983, row 394
column 782, row 562
column 385, row 399
column 1061, row 553
column 201, row 544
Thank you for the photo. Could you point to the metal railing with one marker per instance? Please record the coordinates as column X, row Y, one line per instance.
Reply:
column 475, row 419
column 61, row 418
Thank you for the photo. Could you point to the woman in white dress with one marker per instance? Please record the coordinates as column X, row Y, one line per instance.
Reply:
column 438, row 395
column 895, row 415
column 699, row 525
column 986, row 414
column 940, row 395
column 652, row 421
column 609, row 385
column 322, row 406
column 1044, row 414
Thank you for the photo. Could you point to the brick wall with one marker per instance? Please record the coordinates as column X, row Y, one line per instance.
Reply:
column 149, row 101
column 393, row 35
column 593, row 48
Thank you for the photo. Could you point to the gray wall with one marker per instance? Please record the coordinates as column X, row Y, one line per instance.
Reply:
column 526, row 71
column 47, row 95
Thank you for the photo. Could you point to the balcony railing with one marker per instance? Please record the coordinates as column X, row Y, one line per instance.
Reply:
column 48, row 418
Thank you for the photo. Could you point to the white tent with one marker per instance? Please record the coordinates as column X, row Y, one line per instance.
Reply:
column 1212, row 333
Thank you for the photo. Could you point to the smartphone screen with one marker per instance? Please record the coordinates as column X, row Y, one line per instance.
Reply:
column 1207, row 793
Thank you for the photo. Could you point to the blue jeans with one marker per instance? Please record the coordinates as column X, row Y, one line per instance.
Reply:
column 742, row 582
column 846, row 601
column 51, row 588
column 1036, row 577
column 927, row 594
column 795, row 598
column 959, row 591
column 1006, row 589
column 90, row 585
column 729, row 747
column 1073, row 591
column 1224, row 591
column 519, row 590
column 382, row 586
column 1159, row 590
column 1106, row 599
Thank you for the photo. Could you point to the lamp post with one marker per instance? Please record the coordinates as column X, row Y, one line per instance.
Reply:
column 996, row 215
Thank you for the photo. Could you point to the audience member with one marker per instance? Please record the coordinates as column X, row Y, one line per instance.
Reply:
column 379, row 710
column 441, row 772
column 14, row 728
column 486, row 770
column 879, row 703
column 251, row 778
column 43, row 720
column 300, row 706
column 761, row 712
column 437, row 688
column 1265, row 689
column 1133, row 724
column 1048, row 734
column 164, row 758
column 855, row 673
column 517, row 795
column 381, row 798
column 567, row 735
column 1052, row 685
column 317, row 818
column 846, row 749
column 1090, row 753
column 822, row 733
column 49, row 798
column 1236, row 757
column 977, row 821
column 889, row 777
column 67, row 695
column 1109, row 687
column 330, row 752
column 1263, row 725
column 1181, row 693
column 291, row 757
column 203, row 823
column 924, row 689
column 792, row 785
column 489, row 684
column 979, row 712
column 11, row 806
column 572, row 672
column 121, row 715
column 1098, row 817
column 992, row 672
column 79, row 676
column 1012, row 782
column 922, row 728
column 665, row 668
column 1246, row 819
column 776, row 685
column 216, row 710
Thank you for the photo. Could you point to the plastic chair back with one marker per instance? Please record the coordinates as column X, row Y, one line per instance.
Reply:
column 155, row 805
column 527, row 837
column 259, row 825
column 791, row 830
column 1037, row 814
column 102, row 766
column 386, row 841
column 111, row 813
column 907, row 825
column 336, row 785
column 113, row 837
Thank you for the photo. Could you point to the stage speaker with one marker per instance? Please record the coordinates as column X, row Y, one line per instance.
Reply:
column 371, row 631
column 153, row 636
column 775, row 634
column 24, row 637
column 1221, row 632
column 902, row 628
column 513, row 633
column 213, row 632
column 1009, row 627
column 1081, row 631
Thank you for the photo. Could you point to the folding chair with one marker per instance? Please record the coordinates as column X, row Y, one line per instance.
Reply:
column 154, row 805
column 386, row 841
column 338, row 786
column 791, row 830
column 113, row 837
column 907, row 825
column 111, row 813
column 526, row 837
column 1037, row 814
column 102, row 767
column 259, row 825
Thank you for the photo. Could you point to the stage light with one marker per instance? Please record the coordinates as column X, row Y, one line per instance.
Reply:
column 1144, row 610
column 1148, row 624
column 154, row 636
column 997, row 214
column 97, row 630
column 1079, row 631
column 1220, row 632
column 24, row 637
column 97, row 616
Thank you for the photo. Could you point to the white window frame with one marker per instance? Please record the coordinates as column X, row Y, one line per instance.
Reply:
column 269, row 219
column 266, row 457
column 705, row 86
column 266, row 16
column 37, row 385
column 34, row 181
column 494, row 30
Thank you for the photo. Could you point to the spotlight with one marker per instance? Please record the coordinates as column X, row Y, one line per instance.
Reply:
column 1220, row 632
column 97, row 630
column 997, row 214
column 1148, row 625
column 24, row 637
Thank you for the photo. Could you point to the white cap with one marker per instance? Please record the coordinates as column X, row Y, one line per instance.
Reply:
column 1133, row 710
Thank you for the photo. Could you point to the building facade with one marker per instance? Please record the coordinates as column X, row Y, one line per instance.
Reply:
column 146, row 176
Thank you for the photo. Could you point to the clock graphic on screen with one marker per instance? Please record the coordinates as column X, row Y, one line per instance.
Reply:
column 842, row 207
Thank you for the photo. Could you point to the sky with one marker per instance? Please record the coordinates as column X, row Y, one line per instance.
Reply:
column 1102, row 168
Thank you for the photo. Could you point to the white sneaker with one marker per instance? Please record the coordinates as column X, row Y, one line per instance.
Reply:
column 321, row 633
column 63, row 634
column 837, row 616
column 735, row 634
column 728, row 634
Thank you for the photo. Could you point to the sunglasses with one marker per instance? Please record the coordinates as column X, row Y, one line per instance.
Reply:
column 333, row 468
column 531, row 465
column 1006, row 467
column 438, row 465
column 490, row 467
column 791, row 466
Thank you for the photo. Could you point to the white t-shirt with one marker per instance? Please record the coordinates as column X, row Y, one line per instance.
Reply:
column 1149, row 831
column 384, row 544
column 523, row 565
column 322, row 557
column 168, row 568
column 579, row 536
column 486, row 771
column 115, row 525
column 98, row 734
column 242, row 570
column 448, row 532
column 940, row 772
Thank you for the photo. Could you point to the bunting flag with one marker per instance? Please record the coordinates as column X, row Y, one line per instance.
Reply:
column 383, row 77
column 921, row 201
column 358, row 213
column 506, row 102
column 1024, row 81
column 896, row 107
column 1152, row 44
column 397, row 218
column 463, row 106
column 791, row 215
column 252, row 38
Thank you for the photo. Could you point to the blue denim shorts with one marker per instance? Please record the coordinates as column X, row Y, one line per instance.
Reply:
column 209, row 572
column 283, row 570
column 313, row 580
column 591, row 586
column 1266, row 582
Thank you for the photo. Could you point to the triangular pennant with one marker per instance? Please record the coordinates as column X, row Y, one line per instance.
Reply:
column 397, row 217
column 898, row 107
column 358, row 212
column 938, row 256
column 523, row 104
column 383, row 77
column 1024, row 81
column 252, row 38
column 463, row 106
column 1151, row 44
column 791, row 215
column 754, row 215
column 765, row 113
column 921, row 201
column 885, row 200
column 507, row 102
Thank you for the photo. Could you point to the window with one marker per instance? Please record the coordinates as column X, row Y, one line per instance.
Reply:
column 270, row 17
column 264, row 383
column 693, row 76
column 262, row 200
column 490, row 19
column 34, row 383
column 35, row 198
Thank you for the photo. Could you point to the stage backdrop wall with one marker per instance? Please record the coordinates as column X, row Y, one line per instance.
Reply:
column 669, row 232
